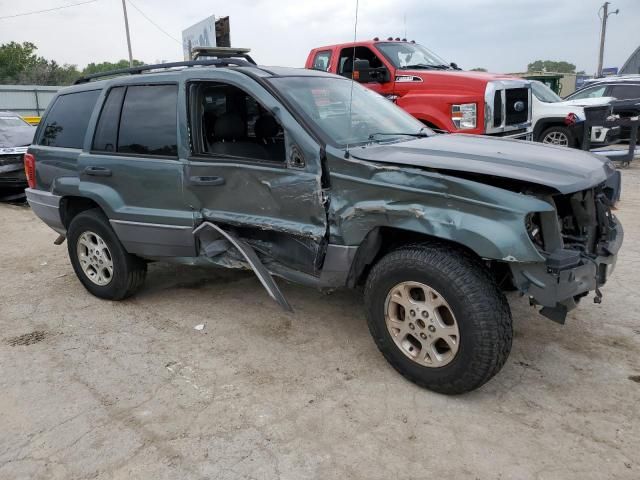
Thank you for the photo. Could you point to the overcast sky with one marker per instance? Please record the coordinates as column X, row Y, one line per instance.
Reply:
column 500, row 35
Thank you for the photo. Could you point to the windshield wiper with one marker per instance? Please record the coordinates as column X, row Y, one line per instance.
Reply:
column 417, row 65
column 420, row 133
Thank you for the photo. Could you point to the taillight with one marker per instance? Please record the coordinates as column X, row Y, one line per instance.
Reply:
column 30, row 169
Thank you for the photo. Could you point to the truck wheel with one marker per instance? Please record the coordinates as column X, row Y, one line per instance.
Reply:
column 560, row 136
column 438, row 317
column 100, row 261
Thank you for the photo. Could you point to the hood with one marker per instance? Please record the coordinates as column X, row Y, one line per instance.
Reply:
column 452, row 80
column 586, row 102
column 563, row 169
column 16, row 136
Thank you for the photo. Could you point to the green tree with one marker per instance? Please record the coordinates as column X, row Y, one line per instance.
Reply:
column 16, row 58
column 19, row 64
column 107, row 66
column 551, row 66
column 478, row 69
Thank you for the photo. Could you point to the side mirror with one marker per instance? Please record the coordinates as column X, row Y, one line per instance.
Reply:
column 382, row 75
column 362, row 71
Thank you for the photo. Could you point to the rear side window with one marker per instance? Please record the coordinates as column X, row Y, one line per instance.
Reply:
column 106, row 136
column 67, row 121
column 321, row 61
column 625, row 92
column 148, row 122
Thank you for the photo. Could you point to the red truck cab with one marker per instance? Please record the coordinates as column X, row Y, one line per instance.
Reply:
column 439, row 94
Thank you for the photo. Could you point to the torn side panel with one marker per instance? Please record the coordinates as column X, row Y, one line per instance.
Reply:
column 215, row 241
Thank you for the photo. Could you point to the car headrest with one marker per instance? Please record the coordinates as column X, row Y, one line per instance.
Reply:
column 229, row 126
column 266, row 127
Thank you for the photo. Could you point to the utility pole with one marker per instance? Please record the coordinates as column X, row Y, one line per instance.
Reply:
column 126, row 27
column 603, row 32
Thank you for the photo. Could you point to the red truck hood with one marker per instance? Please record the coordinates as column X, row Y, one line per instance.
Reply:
column 452, row 80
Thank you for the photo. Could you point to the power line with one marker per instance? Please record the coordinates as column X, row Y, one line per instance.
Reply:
column 47, row 10
column 154, row 23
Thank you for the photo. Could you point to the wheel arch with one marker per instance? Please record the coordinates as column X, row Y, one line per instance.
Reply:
column 71, row 205
column 544, row 123
column 382, row 240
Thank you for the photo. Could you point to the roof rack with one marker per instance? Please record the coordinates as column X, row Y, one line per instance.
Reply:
column 221, row 52
column 159, row 66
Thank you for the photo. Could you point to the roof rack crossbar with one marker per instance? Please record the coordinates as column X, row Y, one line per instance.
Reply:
column 145, row 68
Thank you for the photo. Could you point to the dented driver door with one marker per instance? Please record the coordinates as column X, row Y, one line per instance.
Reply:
column 253, row 171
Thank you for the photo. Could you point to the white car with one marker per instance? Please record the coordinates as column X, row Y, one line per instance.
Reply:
column 550, row 114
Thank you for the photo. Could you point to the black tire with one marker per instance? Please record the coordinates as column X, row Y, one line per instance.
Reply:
column 571, row 141
column 481, row 311
column 129, row 271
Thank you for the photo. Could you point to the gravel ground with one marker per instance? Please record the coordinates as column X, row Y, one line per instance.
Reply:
column 94, row 389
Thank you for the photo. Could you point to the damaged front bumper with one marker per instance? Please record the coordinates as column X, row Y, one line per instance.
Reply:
column 559, row 283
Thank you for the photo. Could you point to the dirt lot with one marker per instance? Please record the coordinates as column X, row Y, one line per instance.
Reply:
column 93, row 389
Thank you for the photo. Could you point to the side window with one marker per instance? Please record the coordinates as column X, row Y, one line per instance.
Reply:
column 345, row 62
column 625, row 92
column 234, row 124
column 592, row 92
column 321, row 61
column 67, row 121
column 105, row 138
column 148, row 122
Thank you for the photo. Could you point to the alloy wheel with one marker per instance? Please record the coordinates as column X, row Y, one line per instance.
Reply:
column 422, row 324
column 95, row 258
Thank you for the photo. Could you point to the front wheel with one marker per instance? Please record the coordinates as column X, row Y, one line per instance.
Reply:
column 560, row 136
column 438, row 317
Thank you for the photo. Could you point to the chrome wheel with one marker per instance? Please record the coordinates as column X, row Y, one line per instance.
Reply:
column 422, row 324
column 95, row 258
column 556, row 138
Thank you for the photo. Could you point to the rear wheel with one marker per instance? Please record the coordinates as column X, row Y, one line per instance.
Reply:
column 557, row 135
column 100, row 261
column 438, row 317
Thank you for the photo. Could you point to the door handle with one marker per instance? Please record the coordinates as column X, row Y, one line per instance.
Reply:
column 207, row 181
column 97, row 171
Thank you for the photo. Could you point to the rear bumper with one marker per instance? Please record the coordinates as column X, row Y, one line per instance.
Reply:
column 47, row 207
column 558, row 291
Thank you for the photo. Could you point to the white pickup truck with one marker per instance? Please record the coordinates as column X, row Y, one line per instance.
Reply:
column 553, row 122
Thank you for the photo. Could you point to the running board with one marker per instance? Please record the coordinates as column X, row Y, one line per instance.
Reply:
column 252, row 259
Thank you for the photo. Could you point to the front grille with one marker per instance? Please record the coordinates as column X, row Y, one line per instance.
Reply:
column 11, row 159
column 497, row 109
column 512, row 97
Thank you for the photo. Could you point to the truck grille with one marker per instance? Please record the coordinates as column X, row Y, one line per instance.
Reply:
column 513, row 97
column 497, row 109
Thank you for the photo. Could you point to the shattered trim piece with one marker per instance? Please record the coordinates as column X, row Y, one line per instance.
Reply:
column 252, row 259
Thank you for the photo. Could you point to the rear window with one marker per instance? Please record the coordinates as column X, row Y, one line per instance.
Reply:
column 67, row 121
column 148, row 122
column 106, row 136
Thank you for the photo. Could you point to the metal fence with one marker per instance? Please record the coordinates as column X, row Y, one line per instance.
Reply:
column 26, row 100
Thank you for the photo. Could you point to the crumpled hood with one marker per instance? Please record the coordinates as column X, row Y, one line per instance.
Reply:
column 16, row 136
column 564, row 169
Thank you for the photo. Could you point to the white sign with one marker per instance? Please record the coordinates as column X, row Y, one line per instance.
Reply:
column 202, row 34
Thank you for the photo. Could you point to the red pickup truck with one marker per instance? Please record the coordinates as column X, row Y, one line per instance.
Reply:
column 439, row 94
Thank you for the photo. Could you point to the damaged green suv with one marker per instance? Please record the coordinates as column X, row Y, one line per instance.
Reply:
column 310, row 177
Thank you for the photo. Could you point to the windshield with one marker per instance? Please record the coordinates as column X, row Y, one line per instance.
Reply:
column 7, row 122
column 411, row 55
column 325, row 102
column 544, row 93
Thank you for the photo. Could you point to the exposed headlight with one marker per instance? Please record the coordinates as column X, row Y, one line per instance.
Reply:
column 532, row 223
column 464, row 115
